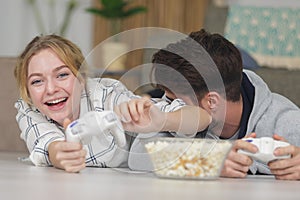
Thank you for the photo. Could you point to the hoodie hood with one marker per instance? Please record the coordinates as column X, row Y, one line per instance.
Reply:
column 262, row 99
column 271, row 113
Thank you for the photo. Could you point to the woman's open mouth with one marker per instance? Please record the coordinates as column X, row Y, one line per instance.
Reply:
column 56, row 102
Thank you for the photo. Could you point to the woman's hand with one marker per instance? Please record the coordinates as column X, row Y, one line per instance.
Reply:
column 141, row 116
column 69, row 156
column 286, row 169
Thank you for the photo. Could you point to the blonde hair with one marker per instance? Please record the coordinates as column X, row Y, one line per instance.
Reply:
column 67, row 51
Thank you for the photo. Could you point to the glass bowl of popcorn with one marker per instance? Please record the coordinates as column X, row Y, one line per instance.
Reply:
column 187, row 158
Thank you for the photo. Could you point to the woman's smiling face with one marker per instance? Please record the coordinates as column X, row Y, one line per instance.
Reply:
column 54, row 90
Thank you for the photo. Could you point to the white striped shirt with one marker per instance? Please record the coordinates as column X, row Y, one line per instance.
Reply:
column 38, row 131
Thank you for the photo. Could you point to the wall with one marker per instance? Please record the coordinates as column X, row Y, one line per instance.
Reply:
column 18, row 25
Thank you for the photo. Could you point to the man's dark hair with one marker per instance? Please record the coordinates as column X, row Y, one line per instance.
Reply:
column 186, row 60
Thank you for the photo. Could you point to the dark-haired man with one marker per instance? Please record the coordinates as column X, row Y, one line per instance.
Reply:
column 206, row 70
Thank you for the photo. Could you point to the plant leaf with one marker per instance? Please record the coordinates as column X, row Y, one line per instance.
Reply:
column 115, row 9
column 113, row 3
column 100, row 12
column 134, row 11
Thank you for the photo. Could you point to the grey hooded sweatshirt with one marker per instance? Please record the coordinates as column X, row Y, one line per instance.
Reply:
column 271, row 113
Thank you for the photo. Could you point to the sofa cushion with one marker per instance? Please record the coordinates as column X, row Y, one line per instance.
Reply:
column 10, row 132
column 270, row 34
column 282, row 81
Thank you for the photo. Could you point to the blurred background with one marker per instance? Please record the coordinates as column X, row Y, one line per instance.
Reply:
column 267, row 33
column 23, row 19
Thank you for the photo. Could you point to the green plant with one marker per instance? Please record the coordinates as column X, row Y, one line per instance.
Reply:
column 115, row 11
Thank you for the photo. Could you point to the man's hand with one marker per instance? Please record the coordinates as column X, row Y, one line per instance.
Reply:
column 69, row 156
column 286, row 169
column 237, row 165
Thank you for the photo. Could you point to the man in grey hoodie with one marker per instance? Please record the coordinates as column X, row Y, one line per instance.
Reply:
column 206, row 70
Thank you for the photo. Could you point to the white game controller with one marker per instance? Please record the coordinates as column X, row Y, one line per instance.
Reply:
column 96, row 124
column 266, row 147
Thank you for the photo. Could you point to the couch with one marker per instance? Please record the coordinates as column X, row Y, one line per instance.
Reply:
column 10, row 133
column 281, row 79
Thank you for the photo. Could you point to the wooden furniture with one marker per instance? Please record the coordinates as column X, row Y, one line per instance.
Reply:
column 179, row 15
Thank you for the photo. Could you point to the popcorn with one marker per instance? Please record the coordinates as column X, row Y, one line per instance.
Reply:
column 188, row 158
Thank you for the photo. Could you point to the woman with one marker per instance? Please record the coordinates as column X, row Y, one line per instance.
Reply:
column 54, row 90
